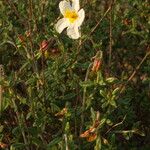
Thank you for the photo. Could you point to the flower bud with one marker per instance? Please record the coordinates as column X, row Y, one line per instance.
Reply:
column 21, row 38
column 96, row 65
column 44, row 45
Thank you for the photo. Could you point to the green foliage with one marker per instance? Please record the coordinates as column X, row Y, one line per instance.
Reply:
column 85, row 94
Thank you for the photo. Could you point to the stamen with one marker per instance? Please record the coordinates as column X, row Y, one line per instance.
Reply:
column 71, row 15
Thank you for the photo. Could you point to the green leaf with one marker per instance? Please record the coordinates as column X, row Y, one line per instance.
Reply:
column 37, row 142
column 103, row 93
column 89, row 100
column 113, row 138
column 33, row 131
column 16, row 131
column 5, row 103
column 116, row 91
column 92, row 114
column 17, row 146
column 67, row 127
column 69, row 96
column 113, row 103
column 139, row 132
column 54, row 142
column 98, row 144
column 102, row 122
column 109, row 122
column 111, row 80
column 105, row 104
column 1, row 128
column 87, row 84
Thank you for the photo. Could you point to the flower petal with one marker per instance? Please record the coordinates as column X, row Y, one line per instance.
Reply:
column 63, row 5
column 61, row 25
column 75, row 4
column 81, row 17
column 73, row 32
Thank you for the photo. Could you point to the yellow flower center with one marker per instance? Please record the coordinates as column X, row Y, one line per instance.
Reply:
column 71, row 15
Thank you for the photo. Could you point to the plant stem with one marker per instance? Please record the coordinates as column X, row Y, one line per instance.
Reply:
column 43, row 80
column 20, row 123
column 84, row 97
column 66, row 141
column 43, row 15
column 123, row 87
column 110, row 36
column 1, row 88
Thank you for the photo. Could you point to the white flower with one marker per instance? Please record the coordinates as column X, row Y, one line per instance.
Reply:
column 73, row 18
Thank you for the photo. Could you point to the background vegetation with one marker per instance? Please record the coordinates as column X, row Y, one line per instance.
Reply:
column 58, row 93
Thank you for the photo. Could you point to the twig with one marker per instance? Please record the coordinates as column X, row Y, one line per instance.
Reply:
column 116, row 125
column 110, row 35
column 135, row 71
column 66, row 141
column 93, row 29
column 98, row 55
column 43, row 80
column 35, row 68
column 78, row 100
column 1, row 88
column 30, row 14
